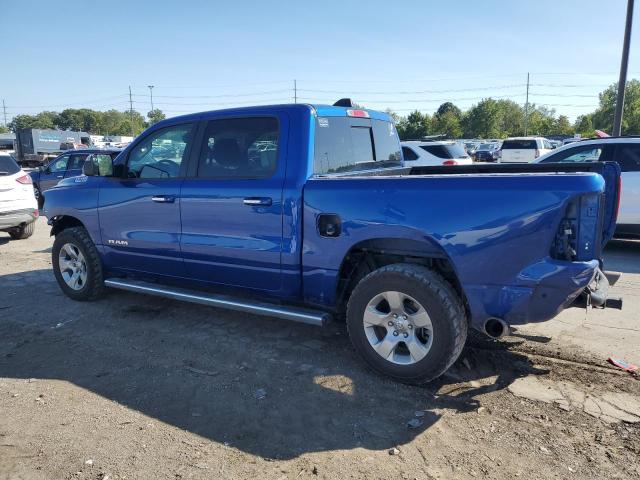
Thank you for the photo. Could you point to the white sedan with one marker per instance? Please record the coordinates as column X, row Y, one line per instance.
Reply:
column 18, row 206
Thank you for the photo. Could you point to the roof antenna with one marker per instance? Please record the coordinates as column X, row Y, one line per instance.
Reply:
column 343, row 102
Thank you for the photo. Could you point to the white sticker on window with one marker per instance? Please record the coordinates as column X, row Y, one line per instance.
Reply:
column 323, row 122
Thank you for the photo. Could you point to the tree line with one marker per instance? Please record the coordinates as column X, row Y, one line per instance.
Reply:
column 489, row 118
column 110, row 122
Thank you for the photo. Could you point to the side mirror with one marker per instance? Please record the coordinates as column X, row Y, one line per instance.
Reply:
column 90, row 169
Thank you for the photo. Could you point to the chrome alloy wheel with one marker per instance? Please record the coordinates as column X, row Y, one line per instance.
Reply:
column 398, row 328
column 73, row 266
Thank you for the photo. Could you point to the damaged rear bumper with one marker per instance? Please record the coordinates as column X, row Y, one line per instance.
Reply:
column 539, row 293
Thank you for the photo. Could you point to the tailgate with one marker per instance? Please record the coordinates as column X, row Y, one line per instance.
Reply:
column 610, row 171
column 518, row 155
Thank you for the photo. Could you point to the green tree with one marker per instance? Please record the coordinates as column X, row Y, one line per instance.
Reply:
column 603, row 116
column 483, row 120
column 155, row 116
column 584, row 125
column 511, row 118
column 3, row 129
column 447, row 121
column 563, row 126
column 541, row 120
column 23, row 121
column 416, row 125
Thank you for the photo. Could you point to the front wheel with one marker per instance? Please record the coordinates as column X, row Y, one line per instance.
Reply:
column 407, row 322
column 76, row 264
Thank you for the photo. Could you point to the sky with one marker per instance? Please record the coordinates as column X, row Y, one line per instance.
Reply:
column 403, row 55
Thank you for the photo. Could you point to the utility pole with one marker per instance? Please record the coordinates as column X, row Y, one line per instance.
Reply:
column 295, row 91
column 151, row 92
column 526, row 109
column 622, row 82
column 131, row 110
column 4, row 110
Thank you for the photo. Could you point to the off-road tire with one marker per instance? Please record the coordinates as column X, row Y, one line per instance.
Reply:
column 94, row 287
column 439, row 299
column 25, row 231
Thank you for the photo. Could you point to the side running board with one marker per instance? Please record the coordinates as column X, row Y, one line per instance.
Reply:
column 296, row 314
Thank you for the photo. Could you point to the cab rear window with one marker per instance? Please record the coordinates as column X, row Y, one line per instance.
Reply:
column 519, row 145
column 345, row 144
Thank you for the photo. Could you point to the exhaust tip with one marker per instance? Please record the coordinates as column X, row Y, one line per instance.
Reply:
column 496, row 328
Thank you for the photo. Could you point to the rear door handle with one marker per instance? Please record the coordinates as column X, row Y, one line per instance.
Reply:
column 163, row 198
column 258, row 201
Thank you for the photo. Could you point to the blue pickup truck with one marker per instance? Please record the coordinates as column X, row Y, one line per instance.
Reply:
column 307, row 212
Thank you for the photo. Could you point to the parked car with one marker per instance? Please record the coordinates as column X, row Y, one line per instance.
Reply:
column 487, row 152
column 69, row 164
column 18, row 207
column 471, row 147
column 523, row 149
column 623, row 150
column 307, row 212
column 419, row 153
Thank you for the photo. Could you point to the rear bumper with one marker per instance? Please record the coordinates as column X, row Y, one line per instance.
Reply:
column 15, row 218
column 540, row 292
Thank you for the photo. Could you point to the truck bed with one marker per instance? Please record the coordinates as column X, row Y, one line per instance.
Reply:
column 610, row 171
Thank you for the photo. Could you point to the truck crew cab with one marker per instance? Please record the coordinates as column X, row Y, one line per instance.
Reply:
column 306, row 212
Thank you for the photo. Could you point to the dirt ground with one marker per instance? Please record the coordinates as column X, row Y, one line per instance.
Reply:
column 137, row 387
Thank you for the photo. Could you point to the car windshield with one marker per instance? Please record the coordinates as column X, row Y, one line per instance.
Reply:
column 486, row 146
column 8, row 166
column 523, row 144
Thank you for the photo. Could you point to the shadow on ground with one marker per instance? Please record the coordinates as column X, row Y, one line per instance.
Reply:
column 264, row 386
column 617, row 256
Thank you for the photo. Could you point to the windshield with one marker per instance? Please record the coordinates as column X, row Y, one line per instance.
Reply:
column 345, row 144
column 8, row 166
column 486, row 146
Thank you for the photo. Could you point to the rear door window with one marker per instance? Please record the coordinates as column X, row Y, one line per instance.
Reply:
column 240, row 148
column 344, row 144
column 519, row 145
column 628, row 156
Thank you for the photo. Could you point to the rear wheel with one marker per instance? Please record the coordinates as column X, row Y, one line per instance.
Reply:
column 76, row 264
column 407, row 322
column 22, row 232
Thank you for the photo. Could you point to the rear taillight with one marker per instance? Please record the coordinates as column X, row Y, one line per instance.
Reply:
column 537, row 153
column 25, row 180
column 36, row 213
column 358, row 113
column 449, row 162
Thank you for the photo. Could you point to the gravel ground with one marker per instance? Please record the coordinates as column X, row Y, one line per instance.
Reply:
column 138, row 387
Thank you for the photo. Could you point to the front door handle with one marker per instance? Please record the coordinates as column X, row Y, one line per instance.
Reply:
column 163, row 198
column 258, row 201
column 59, row 176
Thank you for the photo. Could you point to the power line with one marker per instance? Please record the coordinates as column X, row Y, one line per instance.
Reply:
column 268, row 92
